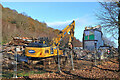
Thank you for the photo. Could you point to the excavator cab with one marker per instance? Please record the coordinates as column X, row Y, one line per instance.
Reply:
column 41, row 49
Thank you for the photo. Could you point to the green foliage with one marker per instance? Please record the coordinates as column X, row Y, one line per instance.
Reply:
column 17, row 26
column 23, row 73
column 3, row 42
column 9, row 74
column 13, row 22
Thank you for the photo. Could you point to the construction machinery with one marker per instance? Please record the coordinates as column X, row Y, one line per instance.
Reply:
column 42, row 50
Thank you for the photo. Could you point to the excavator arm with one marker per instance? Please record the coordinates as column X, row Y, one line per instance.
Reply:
column 68, row 29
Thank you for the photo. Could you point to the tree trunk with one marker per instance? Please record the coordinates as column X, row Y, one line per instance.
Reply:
column 119, row 36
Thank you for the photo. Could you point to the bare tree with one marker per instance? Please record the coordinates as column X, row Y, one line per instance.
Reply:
column 109, row 17
column 108, row 42
column 119, row 36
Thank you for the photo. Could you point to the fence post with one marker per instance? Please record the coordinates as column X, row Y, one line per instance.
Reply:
column 72, row 60
column 58, row 60
column 15, row 75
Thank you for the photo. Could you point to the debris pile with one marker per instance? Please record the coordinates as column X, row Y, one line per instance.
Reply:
column 85, row 68
column 100, row 54
column 20, row 41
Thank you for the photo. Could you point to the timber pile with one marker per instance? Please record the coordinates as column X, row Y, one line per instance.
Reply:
column 16, row 45
column 20, row 41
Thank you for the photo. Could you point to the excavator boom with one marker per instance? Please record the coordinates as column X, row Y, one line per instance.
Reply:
column 68, row 29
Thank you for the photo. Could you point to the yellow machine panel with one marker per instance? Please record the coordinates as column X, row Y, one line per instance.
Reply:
column 42, row 52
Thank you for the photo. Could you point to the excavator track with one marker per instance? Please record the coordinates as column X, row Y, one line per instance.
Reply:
column 45, row 63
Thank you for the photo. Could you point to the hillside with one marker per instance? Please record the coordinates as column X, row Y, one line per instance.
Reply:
column 19, row 24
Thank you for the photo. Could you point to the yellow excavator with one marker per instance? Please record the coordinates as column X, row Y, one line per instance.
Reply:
column 41, row 50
